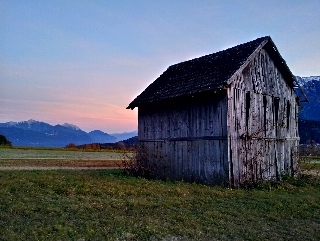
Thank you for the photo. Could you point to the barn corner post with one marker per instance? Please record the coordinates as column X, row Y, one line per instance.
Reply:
column 294, row 122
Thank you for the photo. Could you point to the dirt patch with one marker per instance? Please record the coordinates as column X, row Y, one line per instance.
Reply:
column 311, row 172
column 54, row 164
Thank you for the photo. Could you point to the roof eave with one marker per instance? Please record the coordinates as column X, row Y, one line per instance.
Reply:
column 302, row 91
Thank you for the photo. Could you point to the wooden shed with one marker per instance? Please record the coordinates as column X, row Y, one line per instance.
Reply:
column 227, row 118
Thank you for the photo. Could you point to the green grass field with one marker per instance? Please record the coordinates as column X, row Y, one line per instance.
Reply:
column 106, row 205
column 310, row 163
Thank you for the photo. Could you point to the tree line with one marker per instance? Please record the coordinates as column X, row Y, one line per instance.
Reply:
column 129, row 144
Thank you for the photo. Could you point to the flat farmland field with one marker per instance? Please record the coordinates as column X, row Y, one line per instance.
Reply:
column 309, row 162
column 32, row 158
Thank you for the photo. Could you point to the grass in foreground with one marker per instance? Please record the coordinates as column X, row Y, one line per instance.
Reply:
column 105, row 205
column 58, row 158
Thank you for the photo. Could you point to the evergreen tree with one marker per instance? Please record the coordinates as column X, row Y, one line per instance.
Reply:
column 4, row 141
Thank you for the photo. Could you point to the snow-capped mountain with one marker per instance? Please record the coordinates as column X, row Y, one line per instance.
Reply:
column 311, row 86
column 307, row 80
column 29, row 125
column 71, row 126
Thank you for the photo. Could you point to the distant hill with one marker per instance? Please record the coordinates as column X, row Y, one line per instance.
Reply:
column 40, row 134
column 101, row 137
column 129, row 144
column 125, row 135
column 133, row 141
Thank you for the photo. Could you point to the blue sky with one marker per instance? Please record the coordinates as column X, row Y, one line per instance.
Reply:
column 83, row 62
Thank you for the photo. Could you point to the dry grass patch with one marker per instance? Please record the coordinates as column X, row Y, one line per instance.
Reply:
column 58, row 163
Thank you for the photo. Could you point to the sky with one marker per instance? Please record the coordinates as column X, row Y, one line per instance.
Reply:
column 82, row 62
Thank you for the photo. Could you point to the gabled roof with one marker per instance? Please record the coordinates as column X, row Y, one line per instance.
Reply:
column 207, row 73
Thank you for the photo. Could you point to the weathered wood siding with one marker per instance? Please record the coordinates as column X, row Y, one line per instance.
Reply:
column 187, row 139
column 262, row 123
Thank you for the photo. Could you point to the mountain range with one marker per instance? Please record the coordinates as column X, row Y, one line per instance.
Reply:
column 311, row 86
column 41, row 134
